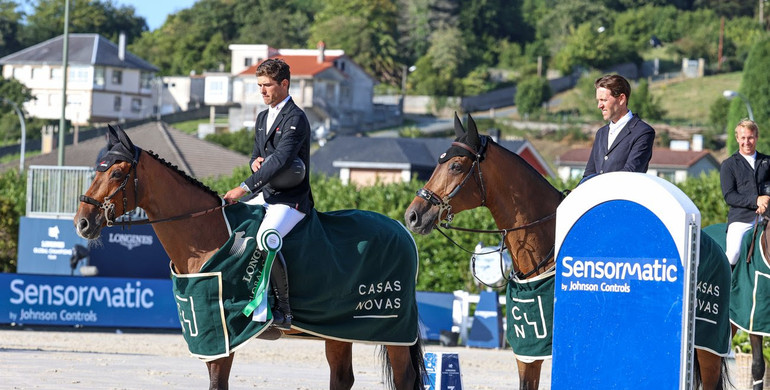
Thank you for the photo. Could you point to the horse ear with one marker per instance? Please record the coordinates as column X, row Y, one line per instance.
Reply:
column 473, row 133
column 123, row 138
column 112, row 137
column 459, row 130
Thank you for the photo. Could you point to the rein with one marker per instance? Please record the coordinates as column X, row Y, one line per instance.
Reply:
column 108, row 208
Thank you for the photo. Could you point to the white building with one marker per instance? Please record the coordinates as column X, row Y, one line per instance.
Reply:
column 105, row 82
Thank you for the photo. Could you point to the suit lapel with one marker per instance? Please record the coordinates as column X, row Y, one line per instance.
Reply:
column 279, row 118
column 623, row 133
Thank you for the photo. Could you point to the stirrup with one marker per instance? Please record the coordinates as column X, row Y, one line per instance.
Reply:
column 281, row 320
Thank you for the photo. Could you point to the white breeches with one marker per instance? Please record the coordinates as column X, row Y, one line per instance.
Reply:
column 279, row 217
column 735, row 233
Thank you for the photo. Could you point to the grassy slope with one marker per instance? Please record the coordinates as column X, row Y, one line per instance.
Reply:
column 689, row 100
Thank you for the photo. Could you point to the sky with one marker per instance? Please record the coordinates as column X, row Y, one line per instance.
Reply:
column 155, row 11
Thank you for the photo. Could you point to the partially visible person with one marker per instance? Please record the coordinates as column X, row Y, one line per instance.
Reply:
column 625, row 143
column 743, row 177
column 282, row 135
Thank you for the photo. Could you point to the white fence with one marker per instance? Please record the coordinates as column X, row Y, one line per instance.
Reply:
column 53, row 191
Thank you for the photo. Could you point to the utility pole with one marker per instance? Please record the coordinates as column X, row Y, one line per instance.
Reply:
column 65, row 50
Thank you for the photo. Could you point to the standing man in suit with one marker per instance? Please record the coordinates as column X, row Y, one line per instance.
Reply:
column 744, row 177
column 625, row 143
column 282, row 136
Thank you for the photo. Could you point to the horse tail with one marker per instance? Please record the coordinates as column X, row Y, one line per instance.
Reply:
column 418, row 365
column 724, row 381
column 724, row 377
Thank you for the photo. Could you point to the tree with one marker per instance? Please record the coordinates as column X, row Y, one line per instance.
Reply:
column 289, row 28
column 438, row 71
column 531, row 94
column 14, row 91
column 754, row 86
column 86, row 16
column 366, row 30
column 183, row 44
column 10, row 27
column 644, row 104
column 590, row 48
column 12, row 205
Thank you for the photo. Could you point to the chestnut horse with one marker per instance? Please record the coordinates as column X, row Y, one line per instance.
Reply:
column 475, row 171
column 140, row 178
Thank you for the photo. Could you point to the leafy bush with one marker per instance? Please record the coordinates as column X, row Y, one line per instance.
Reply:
column 12, row 206
column 531, row 94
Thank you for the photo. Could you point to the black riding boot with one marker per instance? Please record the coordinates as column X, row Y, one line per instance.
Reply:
column 280, row 281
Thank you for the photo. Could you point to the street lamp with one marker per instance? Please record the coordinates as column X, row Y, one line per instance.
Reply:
column 404, row 72
column 23, row 130
column 730, row 95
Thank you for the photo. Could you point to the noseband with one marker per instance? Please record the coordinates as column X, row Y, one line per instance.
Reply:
column 107, row 207
column 443, row 203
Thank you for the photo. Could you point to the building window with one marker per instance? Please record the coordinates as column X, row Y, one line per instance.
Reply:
column 37, row 73
column 56, row 73
column 99, row 76
column 117, row 77
column 146, row 80
column 77, row 75
column 136, row 105
column 247, row 62
column 17, row 73
column 116, row 103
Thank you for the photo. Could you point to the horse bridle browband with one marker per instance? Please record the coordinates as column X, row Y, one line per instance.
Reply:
column 108, row 208
column 444, row 206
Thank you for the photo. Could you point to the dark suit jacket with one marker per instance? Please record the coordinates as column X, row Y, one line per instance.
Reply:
column 289, row 137
column 740, row 185
column 631, row 151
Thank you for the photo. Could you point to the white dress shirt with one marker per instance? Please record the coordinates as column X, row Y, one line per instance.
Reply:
column 616, row 127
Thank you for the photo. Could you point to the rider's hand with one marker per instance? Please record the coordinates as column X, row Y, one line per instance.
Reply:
column 257, row 164
column 762, row 203
column 233, row 195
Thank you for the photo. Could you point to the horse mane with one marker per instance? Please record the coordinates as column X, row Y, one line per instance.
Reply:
column 180, row 172
column 528, row 166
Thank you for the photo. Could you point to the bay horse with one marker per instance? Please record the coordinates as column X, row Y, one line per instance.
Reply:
column 475, row 171
column 191, row 234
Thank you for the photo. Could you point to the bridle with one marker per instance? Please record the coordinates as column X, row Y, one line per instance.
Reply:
column 443, row 203
column 108, row 207
column 444, row 207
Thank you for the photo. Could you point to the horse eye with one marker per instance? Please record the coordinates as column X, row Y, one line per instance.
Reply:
column 455, row 167
column 116, row 174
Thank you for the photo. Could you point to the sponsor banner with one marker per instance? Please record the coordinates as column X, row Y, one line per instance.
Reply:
column 435, row 310
column 626, row 253
column 45, row 248
column 72, row 300
column 442, row 371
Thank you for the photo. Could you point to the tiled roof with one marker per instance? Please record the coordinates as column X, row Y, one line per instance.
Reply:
column 420, row 155
column 84, row 49
column 198, row 158
column 301, row 65
column 661, row 157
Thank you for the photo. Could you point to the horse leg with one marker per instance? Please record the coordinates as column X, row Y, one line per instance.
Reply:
column 710, row 369
column 339, row 355
column 400, row 359
column 757, row 362
column 219, row 372
column 529, row 374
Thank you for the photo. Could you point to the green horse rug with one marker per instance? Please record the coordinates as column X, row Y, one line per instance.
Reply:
column 750, row 288
column 352, row 277
column 529, row 306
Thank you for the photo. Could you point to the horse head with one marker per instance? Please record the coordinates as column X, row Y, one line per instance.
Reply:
column 455, row 184
column 112, row 190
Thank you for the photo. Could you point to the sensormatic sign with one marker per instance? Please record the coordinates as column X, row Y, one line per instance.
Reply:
column 63, row 300
column 624, row 298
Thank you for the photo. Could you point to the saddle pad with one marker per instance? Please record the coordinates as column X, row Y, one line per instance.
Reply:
column 750, row 288
column 712, row 322
column 352, row 277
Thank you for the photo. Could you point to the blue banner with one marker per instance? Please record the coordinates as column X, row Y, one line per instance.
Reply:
column 101, row 302
column 45, row 246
